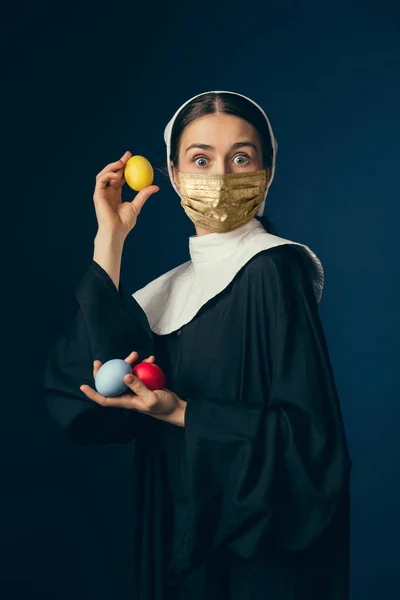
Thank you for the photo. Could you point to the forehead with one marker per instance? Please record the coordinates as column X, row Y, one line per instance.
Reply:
column 218, row 129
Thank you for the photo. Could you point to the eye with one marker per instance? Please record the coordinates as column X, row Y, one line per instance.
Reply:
column 242, row 156
column 198, row 158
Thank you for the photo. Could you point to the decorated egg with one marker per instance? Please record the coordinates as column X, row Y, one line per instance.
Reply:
column 138, row 173
column 152, row 376
column 109, row 380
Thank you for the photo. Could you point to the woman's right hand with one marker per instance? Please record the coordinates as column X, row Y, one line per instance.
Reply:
column 113, row 215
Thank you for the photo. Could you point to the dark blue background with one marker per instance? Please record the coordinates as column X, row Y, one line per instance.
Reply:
column 84, row 83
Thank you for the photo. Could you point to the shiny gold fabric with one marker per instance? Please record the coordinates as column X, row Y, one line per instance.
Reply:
column 224, row 202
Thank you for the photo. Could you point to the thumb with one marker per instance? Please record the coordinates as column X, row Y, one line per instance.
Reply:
column 137, row 386
column 141, row 197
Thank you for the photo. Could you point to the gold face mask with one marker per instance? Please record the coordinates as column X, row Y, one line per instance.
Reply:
column 222, row 203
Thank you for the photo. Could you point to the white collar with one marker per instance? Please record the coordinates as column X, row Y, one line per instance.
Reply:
column 209, row 249
column 173, row 299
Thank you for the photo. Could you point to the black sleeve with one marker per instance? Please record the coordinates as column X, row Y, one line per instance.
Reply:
column 272, row 473
column 109, row 324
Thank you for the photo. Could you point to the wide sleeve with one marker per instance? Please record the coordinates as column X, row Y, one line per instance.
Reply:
column 273, row 473
column 109, row 323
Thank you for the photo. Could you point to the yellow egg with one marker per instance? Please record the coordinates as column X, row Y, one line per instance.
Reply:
column 138, row 173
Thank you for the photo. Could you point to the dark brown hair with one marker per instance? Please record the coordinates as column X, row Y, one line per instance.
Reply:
column 231, row 104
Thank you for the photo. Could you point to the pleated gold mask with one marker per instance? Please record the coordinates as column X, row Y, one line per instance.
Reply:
column 222, row 203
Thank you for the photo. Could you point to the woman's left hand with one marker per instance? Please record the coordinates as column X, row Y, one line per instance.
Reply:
column 160, row 404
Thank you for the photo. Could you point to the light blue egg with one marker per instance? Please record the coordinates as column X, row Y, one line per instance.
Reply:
column 109, row 380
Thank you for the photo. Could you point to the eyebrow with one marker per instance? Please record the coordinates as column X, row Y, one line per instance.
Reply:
column 233, row 147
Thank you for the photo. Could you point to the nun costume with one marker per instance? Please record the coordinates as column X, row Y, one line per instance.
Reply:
column 250, row 499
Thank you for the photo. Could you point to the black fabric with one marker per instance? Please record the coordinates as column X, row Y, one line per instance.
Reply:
column 105, row 326
column 250, row 500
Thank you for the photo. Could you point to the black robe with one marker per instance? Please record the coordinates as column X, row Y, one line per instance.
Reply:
column 250, row 500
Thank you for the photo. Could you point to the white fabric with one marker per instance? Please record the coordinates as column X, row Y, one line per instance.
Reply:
column 173, row 299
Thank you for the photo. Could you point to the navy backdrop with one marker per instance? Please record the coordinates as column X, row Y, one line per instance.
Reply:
column 84, row 82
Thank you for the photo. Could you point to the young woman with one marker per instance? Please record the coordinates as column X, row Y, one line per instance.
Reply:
column 241, row 465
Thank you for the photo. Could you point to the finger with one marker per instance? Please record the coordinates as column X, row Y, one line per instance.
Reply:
column 95, row 396
column 101, row 182
column 118, row 164
column 141, row 197
column 126, row 156
column 150, row 359
column 123, row 160
column 121, row 170
column 116, row 183
column 114, row 166
column 140, row 389
column 131, row 357
column 130, row 401
column 99, row 398
column 108, row 176
column 96, row 366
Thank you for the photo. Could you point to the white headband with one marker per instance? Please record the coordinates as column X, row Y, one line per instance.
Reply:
column 168, row 131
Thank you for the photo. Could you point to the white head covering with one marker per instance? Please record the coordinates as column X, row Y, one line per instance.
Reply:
column 173, row 299
column 168, row 132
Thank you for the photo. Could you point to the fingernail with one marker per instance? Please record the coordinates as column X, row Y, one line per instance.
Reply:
column 129, row 378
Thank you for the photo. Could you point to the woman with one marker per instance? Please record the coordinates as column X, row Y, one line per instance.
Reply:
column 241, row 466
